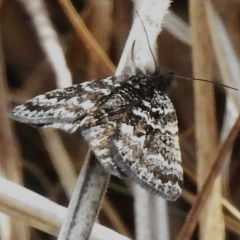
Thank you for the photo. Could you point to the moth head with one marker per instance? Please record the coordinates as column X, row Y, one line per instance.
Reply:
column 165, row 81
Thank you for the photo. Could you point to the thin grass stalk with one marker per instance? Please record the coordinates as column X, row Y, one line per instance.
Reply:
column 52, row 140
column 92, row 195
column 153, row 13
column 48, row 40
column 142, row 216
column 194, row 214
column 85, row 202
column 229, row 66
column 88, row 193
column 122, row 22
column 226, row 56
column 84, row 34
column 39, row 212
column 177, row 27
column 101, row 29
column 60, row 159
column 159, row 218
column 50, row 43
column 232, row 209
column 218, row 34
column 232, row 222
column 10, row 162
column 147, row 225
column 233, row 225
column 67, row 175
column 230, row 117
column 211, row 220
column 83, row 208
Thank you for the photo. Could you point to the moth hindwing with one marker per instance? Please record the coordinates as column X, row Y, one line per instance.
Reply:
column 129, row 123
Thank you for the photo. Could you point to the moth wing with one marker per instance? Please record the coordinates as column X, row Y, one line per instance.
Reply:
column 100, row 125
column 98, row 138
column 97, row 128
column 65, row 108
column 146, row 147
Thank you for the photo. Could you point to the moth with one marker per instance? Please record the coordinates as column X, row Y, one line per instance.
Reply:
column 129, row 123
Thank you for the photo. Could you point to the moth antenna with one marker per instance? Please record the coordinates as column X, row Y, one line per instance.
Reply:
column 208, row 81
column 132, row 58
column 133, row 45
column 154, row 60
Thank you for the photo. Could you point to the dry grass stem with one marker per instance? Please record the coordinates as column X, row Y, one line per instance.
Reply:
column 177, row 27
column 41, row 213
column 228, row 63
column 211, row 220
column 226, row 56
column 142, row 213
column 233, row 210
column 199, row 203
column 85, row 202
column 53, row 143
column 152, row 22
column 151, row 14
column 84, row 34
column 9, row 158
column 102, row 11
column 160, row 217
column 60, row 159
column 232, row 224
column 48, row 39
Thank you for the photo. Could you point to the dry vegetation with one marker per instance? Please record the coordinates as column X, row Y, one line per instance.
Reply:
column 48, row 162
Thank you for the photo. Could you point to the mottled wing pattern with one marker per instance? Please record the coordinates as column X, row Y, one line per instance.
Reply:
column 98, row 141
column 65, row 108
column 146, row 146
column 129, row 123
column 79, row 106
column 100, row 125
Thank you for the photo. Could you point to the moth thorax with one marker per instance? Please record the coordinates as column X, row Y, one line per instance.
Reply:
column 165, row 81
